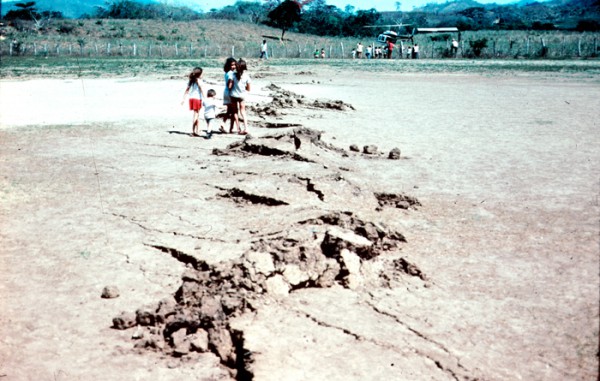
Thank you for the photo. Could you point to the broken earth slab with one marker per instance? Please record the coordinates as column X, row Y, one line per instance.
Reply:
column 312, row 255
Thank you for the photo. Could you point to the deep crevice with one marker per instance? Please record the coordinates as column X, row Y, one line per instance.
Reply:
column 241, row 195
column 183, row 257
column 243, row 357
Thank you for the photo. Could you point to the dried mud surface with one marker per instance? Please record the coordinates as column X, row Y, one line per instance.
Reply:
column 448, row 233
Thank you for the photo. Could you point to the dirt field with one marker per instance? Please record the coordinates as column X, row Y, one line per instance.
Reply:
column 474, row 256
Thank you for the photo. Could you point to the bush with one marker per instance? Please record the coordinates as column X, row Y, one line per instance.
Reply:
column 588, row 26
column 65, row 28
column 477, row 46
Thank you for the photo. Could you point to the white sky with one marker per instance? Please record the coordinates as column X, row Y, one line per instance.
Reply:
column 380, row 5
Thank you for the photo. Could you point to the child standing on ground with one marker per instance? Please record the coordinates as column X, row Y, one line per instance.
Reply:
column 195, row 92
column 240, row 86
column 229, row 69
column 210, row 112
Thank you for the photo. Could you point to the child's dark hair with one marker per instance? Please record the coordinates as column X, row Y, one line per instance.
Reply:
column 241, row 68
column 211, row 93
column 227, row 65
column 194, row 75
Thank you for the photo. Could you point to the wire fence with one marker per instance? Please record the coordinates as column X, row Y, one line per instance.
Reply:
column 556, row 46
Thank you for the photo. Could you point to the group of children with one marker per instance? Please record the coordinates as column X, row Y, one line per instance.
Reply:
column 237, row 86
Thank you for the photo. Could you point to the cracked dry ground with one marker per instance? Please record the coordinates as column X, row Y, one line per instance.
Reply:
column 286, row 256
column 295, row 240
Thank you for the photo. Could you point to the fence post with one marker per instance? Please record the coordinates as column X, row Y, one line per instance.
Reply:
column 150, row 50
column 45, row 49
column 190, row 49
column 134, row 49
column 34, row 49
column 544, row 48
column 233, row 50
column 342, row 45
column 579, row 47
column 527, row 47
column 161, row 51
column 108, row 49
column 176, row 50
column 96, row 48
column 205, row 51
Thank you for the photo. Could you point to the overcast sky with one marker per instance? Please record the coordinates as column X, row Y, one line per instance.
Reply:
column 380, row 5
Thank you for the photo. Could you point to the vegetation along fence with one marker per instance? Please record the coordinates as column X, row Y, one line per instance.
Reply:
column 480, row 44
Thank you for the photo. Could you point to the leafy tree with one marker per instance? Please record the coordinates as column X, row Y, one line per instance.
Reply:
column 286, row 14
column 538, row 25
column 25, row 11
column 128, row 9
column 254, row 12
column 588, row 26
column 322, row 19
column 354, row 25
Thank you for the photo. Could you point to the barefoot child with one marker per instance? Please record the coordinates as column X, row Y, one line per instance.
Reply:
column 239, row 87
column 195, row 92
column 210, row 112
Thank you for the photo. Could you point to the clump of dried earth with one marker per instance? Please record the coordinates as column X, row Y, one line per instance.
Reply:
column 335, row 247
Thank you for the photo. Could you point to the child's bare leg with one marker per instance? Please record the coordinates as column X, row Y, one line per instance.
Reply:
column 234, row 117
column 195, row 123
column 230, row 112
column 243, row 113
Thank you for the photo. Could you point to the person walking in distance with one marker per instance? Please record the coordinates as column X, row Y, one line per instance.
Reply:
column 454, row 48
column 359, row 50
column 194, row 93
column 390, row 49
column 416, row 51
column 264, row 50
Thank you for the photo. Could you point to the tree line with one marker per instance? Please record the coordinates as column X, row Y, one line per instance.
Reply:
column 318, row 18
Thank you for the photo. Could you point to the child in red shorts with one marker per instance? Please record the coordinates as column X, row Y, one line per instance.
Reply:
column 195, row 92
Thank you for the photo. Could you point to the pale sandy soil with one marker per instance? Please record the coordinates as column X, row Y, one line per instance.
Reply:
column 97, row 173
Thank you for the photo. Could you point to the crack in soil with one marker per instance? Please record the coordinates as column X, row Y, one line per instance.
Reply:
column 426, row 338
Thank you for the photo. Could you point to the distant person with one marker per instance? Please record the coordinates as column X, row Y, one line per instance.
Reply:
column 239, row 91
column 353, row 53
column 390, row 49
column 210, row 112
column 229, row 69
column 264, row 50
column 416, row 51
column 322, row 53
column 454, row 48
column 369, row 52
column 409, row 52
column 316, row 53
column 194, row 93
column 359, row 50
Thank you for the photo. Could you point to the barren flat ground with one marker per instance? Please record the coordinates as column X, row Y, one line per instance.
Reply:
column 286, row 255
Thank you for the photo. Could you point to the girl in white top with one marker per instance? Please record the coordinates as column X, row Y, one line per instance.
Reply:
column 195, row 92
column 239, row 87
